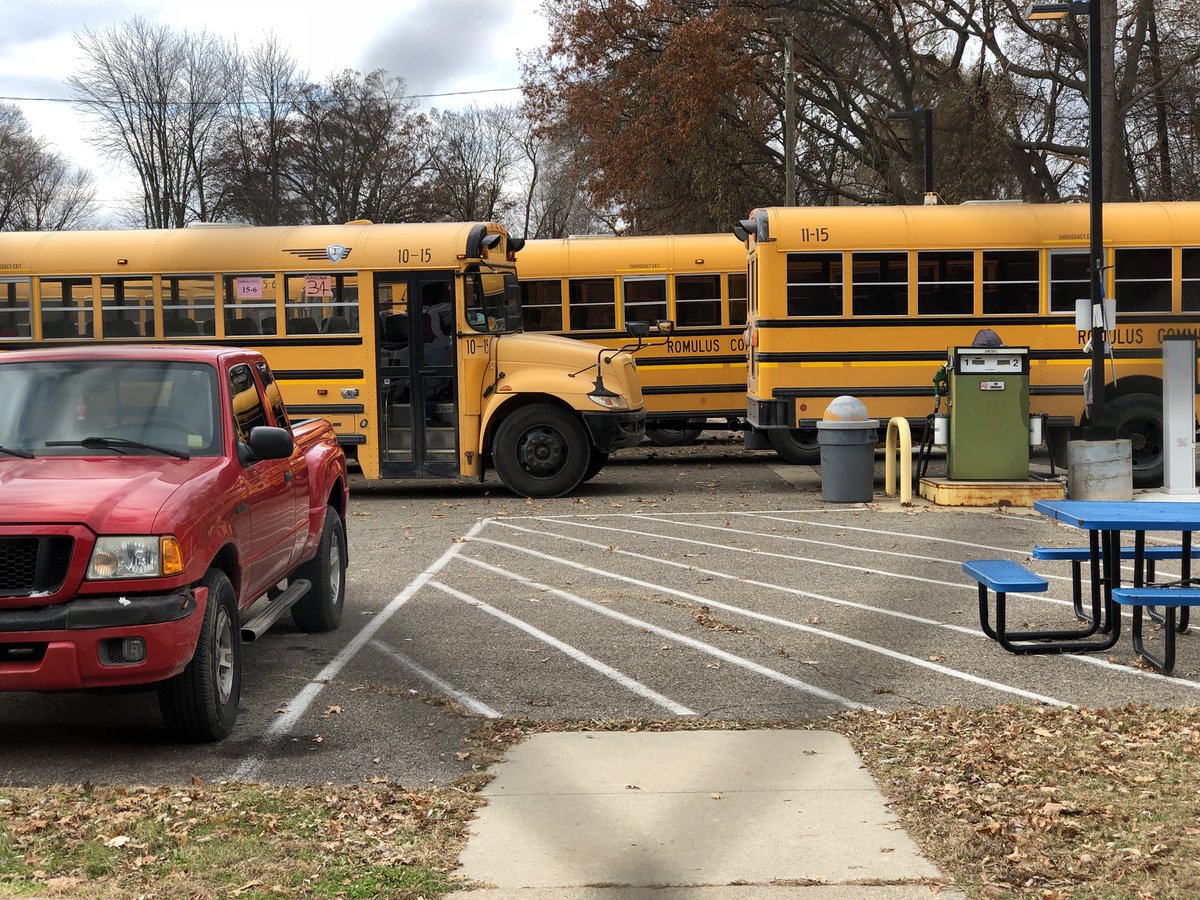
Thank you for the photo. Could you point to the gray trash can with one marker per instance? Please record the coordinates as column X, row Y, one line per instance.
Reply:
column 847, row 438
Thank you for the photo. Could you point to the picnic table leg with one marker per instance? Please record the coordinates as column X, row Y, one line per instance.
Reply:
column 1185, row 566
column 1112, row 579
column 1094, row 558
column 1167, row 662
column 983, row 610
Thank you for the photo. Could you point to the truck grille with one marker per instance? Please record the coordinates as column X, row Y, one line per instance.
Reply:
column 31, row 565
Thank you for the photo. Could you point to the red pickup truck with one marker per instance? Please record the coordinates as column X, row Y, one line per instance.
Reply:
column 149, row 497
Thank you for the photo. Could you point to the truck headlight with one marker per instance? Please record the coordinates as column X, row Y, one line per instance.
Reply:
column 609, row 401
column 137, row 556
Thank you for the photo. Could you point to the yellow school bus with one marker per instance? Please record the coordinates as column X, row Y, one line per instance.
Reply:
column 589, row 286
column 404, row 336
column 866, row 301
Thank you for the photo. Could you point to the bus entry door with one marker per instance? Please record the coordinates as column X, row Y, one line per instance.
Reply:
column 418, row 401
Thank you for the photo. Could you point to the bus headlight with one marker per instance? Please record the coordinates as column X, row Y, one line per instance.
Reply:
column 136, row 556
column 609, row 401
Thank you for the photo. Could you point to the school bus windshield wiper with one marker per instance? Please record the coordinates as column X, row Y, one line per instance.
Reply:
column 115, row 443
column 14, row 451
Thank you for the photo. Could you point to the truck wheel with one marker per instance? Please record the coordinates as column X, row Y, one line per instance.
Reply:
column 201, row 702
column 595, row 464
column 797, row 446
column 321, row 608
column 1138, row 417
column 541, row 451
column 672, row 437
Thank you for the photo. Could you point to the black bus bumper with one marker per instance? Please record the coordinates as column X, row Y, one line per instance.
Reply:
column 612, row 431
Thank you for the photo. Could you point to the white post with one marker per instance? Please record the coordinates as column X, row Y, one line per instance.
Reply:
column 1179, row 415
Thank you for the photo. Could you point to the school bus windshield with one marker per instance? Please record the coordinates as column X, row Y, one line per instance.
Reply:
column 493, row 301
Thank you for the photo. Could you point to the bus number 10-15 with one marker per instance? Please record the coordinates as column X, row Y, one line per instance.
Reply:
column 423, row 254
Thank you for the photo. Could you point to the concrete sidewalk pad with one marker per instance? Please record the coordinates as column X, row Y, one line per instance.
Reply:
column 751, row 815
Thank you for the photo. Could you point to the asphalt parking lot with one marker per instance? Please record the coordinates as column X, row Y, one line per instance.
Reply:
column 703, row 582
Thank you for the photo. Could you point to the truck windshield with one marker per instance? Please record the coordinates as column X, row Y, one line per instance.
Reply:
column 125, row 408
column 493, row 301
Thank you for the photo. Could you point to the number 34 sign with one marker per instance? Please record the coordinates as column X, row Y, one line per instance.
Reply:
column 318, row 285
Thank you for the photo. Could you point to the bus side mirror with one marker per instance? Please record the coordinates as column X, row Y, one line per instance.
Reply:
column 638, row 329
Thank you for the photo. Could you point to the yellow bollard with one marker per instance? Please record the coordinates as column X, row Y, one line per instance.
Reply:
column 898, row 432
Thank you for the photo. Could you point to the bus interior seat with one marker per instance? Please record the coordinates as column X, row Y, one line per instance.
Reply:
column 58, row 328
column 180, row 326
column 302, row 325
column 270, row 325
column 241, row 326
column 336, row 325
column 120, row 328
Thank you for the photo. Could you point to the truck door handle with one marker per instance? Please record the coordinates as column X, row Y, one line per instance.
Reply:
column 287, row 476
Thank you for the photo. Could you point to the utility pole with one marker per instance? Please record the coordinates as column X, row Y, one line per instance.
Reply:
column 789, row 111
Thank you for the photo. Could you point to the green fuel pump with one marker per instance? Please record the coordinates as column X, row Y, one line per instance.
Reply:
column 989, row 414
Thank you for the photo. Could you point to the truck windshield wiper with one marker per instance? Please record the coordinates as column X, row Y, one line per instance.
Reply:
column 13, row 451
column 115, row 443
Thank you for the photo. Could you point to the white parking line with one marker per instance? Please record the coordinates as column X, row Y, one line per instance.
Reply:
column 957, row 585
column 732, row 659
column 1175, row 680
column 475, row 706
column 762, row 617
column 298, row 705
column 576, row 654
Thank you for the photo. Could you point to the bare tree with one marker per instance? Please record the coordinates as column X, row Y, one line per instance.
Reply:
column 39, row 189
column 354, row 152
column 250, row 165
column 472, row 156
column 159, row 98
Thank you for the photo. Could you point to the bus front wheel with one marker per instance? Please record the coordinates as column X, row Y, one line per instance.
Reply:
column 541, row 451
column 797, row 446
column 1138, row 418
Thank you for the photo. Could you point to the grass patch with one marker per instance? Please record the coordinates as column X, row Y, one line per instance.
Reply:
column 232, row 841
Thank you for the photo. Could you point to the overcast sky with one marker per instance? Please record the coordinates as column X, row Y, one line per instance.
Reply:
column 436, row 46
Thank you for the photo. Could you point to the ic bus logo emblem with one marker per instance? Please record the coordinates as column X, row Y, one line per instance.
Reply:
column 336, row 252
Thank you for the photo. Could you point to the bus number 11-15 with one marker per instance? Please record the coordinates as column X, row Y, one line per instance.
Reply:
column 820, row 235
column 424, row 254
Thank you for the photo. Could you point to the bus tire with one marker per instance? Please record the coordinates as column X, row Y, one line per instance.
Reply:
column 541, row 451
column 201, row 702
column 321, row 608
column 1139, row 418
column 672, row 437
column 595, row 464
column 797, row 446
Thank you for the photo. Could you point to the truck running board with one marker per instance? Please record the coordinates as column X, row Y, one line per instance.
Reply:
column 258, row 626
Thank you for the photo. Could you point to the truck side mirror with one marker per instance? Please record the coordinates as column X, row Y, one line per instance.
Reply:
column 269, row 442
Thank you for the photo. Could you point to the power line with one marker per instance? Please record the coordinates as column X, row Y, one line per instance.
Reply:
column 246, row 102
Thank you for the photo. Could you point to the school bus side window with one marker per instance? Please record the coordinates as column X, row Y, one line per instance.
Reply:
column 541, row 305
column 946, row 283
column 1142, row 279
column 814, row 284
column 698, row 300
column 1190, row 287
column 737, row 298
column 16, row 308
column 1010, row 282
column 880, row 284
column 593, row 304
column 247, row 408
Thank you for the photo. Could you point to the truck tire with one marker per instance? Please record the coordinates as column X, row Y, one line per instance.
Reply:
column 1139, row 418
column 797, row 446
column 321, row 608
column 201, row 702
column 672, row 437
column 541, row 451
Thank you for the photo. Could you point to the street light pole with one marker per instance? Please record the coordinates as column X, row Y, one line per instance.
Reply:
column 1091, row 8
column 789, row 112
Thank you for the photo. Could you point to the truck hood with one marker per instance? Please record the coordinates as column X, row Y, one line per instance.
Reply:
column 110, row 495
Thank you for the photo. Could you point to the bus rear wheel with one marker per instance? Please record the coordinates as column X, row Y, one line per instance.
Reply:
column 541, row 451
column 672, row 437
column 1138, row 418
column 797, row 446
